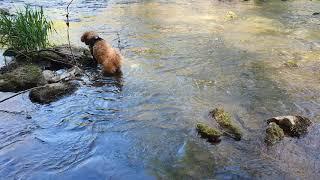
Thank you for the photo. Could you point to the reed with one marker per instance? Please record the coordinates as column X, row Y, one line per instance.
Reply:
column 27, row 30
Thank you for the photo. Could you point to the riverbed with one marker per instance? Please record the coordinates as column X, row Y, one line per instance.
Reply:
column 182, row 59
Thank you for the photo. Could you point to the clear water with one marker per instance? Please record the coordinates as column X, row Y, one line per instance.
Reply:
column 182, row 58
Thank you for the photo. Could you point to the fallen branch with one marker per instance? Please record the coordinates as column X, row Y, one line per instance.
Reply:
column 16, row 94
column 13, row 112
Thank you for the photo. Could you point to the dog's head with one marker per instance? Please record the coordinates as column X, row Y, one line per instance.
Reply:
column 88, row 36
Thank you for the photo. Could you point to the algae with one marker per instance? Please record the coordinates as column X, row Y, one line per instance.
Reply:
column 225, row 121
column 208, row 132
column 274, row 134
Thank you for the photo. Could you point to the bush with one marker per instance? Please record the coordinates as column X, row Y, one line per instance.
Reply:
column 26, row 31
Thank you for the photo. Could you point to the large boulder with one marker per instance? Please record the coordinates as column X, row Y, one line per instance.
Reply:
column 21, row 78
column 52, row 92
column 274, row 134
column 224, row 120
column 294, row 126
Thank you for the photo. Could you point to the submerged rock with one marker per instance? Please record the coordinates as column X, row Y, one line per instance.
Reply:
column 294, row 126
column 274, row 134
column 224, row 120
column 52, row 92
column 231, row 15
column 212, row 134
column 21, row 78
column 291, row 64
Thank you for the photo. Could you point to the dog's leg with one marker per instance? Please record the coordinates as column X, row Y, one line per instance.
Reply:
column 94, row 59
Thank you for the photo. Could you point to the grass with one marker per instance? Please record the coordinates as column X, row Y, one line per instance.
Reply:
column 26, row 31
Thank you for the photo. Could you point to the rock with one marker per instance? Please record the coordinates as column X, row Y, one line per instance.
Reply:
column 59, row 57
column 82, row 55
column 52, row 92
column 71, row 73
column 212, row 134
column 294, row 126
column 53, row 77
column 224, row 120
column 10, row 52
column 50, row 76
column 21, row 78
column 274, row 134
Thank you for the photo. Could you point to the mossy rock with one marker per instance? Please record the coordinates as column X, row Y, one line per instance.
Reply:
column 21, row 78
column 294, row 126
column 274, row 134
column 52, row 92
column 212, row 134
column 225, row 122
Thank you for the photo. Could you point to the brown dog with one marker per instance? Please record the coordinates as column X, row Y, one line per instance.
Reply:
column 102, row 52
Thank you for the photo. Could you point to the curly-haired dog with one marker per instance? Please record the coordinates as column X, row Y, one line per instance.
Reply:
column 102, row 52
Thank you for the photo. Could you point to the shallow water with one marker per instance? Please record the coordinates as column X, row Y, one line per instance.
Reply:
column 182, row 59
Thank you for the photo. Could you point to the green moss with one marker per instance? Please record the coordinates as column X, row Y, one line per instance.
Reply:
column 224, row 120
column 274, row 134
column 208, row 132
column 21, row 78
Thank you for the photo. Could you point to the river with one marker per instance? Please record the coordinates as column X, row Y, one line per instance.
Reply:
column 182, row 59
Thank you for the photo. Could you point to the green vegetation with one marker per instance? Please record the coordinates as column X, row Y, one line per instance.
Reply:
column 224, row 120
column 22, row 78
column 25, row 31
column 274, row 134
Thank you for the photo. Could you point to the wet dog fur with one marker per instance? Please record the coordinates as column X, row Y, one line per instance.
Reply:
column 102, row 52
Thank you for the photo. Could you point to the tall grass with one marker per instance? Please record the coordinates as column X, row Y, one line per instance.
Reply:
column 26, row 31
